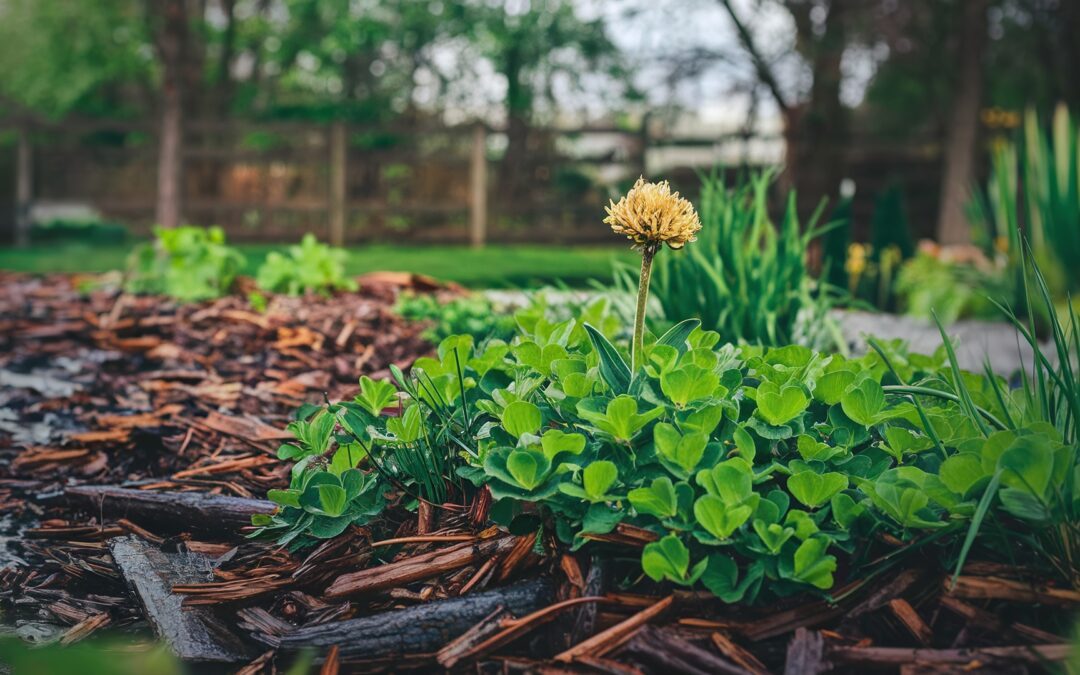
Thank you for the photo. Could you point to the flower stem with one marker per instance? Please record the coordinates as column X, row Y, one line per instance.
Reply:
column 638, row 345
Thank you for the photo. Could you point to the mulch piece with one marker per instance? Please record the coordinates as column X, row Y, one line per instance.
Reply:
column 116, row 391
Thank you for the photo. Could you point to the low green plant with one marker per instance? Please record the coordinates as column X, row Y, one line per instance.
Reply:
column 928, row 284
column 327, row 491
column 747, row 277
column 1024, row 467
column 309, row 267
column 756, row 471
column 100, row 656
column 472, row 314
column 188, row 263
column 749, row 464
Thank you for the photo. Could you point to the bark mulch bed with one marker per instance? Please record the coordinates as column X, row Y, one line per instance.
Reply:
column 137, row 437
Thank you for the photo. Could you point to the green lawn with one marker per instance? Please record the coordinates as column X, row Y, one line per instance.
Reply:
column 494, row 266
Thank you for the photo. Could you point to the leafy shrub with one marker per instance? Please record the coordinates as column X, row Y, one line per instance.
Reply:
column 188, row 263
column 746, row 277
column 472, row 315
column 310, row 267
column 933, row 282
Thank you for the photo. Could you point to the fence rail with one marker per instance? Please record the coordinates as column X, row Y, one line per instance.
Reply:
column 423, row 183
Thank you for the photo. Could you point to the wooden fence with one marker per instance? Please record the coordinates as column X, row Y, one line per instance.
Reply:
column 351, row 184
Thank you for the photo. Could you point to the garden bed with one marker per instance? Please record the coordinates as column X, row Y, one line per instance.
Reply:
column 138, row 436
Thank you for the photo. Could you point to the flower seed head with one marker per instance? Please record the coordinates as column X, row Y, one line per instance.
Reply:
column 651, row 215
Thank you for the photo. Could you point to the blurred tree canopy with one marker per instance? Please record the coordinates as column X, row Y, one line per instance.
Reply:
column 62, row 57
column 363, row 60
column 377, row 59
column 928, row 67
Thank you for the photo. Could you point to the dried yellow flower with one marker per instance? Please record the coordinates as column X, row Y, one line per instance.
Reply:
column 651, row 215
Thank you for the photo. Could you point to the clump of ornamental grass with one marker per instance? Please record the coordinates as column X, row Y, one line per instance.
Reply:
column 651, row 215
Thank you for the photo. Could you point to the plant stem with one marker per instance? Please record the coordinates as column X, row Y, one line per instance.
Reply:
column 928, row 391
column 638, row 345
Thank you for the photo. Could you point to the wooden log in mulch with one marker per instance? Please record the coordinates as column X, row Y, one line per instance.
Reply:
column 418, row 630
column 977, row 659
column 424, row 566
column 193, row 635
column 172, row 511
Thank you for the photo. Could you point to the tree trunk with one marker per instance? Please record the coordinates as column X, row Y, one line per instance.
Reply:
column 817, row 130
column 170, row 162
column 24, row 188
column 962, row 135
column 514, row 179
column 170, row 19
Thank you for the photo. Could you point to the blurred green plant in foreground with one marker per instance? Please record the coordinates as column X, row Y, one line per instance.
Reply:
column 88, row 658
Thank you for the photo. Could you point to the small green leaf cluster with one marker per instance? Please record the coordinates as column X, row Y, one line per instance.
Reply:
column 327, row 491
column 409, row 440
column 1027, row 466
column 472, row 315
column 309, row 267
column 187, row 263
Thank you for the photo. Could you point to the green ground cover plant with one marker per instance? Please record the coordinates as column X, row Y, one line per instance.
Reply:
column 927, row 285
column 1027, row 466
column 472, row 314
column 308, row 267
column 187, row 263
column 758, row 471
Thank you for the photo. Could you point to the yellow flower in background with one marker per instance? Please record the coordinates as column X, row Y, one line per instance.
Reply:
column 1001, row 244
column 651, row 215
column 856, row 259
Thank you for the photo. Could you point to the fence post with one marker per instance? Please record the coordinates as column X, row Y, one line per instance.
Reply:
column 338, row 197
column 24, row 187
column 478, row 187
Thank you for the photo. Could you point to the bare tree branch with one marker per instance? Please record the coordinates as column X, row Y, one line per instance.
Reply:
column 761, row 66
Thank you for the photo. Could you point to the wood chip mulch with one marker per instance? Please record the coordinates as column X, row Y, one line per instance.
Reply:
column 137, row 435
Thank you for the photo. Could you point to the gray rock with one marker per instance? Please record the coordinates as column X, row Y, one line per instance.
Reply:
column 975, row 341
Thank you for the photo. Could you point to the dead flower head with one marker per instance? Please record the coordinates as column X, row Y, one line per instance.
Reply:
column 651, row 215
